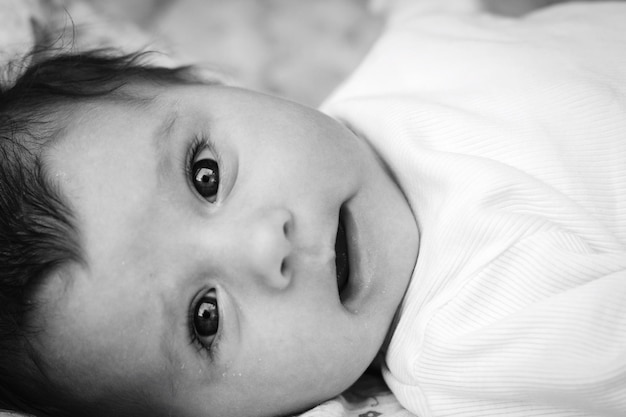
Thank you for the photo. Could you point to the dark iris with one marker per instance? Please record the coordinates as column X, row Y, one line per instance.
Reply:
column 206, row 177
column 206, row 316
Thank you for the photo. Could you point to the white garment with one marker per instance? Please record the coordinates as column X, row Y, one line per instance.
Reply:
column 508, row 138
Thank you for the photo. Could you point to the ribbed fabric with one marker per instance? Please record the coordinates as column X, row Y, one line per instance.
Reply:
column 509, row 139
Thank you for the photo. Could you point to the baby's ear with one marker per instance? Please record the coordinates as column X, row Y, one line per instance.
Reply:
column 213, row 75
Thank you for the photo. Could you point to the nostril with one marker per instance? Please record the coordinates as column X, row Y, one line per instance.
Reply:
column 286, row 227
column 283, row 267
column 287, row 220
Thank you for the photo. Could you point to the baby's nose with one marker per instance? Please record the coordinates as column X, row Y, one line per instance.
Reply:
column 265, row 247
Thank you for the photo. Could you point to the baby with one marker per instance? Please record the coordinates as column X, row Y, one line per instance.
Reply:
column 175, row 246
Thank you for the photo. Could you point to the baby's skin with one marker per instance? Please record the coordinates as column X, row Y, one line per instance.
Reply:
column 209, row 217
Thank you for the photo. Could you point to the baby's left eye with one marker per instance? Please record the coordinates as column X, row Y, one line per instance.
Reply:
column 206, row 316
column 205, row 177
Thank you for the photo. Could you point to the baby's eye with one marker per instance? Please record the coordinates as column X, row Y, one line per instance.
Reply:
column 206, row 317
column 205, row 177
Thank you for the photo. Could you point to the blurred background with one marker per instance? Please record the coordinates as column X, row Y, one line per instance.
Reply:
column 299, row 49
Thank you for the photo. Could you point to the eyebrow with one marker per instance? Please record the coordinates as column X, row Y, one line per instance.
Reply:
column 164, row 130
column 169, row 343
column 160, row 139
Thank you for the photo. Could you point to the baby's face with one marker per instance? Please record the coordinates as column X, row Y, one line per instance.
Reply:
column 209, row 220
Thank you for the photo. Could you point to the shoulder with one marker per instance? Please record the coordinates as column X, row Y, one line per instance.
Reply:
column 440, row 51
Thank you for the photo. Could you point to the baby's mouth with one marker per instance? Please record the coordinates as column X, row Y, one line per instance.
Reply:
column 342, row 264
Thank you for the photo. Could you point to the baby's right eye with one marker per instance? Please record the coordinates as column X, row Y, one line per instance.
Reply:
column 206, row 318
column 205, row 177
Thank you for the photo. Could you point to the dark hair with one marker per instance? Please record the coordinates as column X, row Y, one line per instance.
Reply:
column 38, row 234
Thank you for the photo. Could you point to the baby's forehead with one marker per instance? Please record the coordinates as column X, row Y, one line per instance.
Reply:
column 81, row 120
